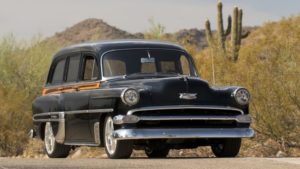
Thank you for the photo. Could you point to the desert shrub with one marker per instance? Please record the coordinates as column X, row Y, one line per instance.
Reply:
column 23, row 68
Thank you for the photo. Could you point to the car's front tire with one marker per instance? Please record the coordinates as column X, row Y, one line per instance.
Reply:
column 52, row 148
column 115, row 149
column 157, row 152
column 227, row 147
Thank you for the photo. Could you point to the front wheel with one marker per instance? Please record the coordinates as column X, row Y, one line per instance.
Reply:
column 227, row 147
column 115, row 149
column 157, row 152
column 54, row 149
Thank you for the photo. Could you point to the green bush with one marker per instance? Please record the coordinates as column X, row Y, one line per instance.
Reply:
column 23, row 70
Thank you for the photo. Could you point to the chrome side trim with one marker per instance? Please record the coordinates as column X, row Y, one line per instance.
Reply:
column 239, row 118
column 178, row 107
column 61, row 132
column 45, row 120
column 90, row 111
column 81, row 144
column 97, row 133
column 54, row 115
column 188, row 96
column 139, row 134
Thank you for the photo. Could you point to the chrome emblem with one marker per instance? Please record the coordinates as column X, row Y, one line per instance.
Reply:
column 188, row 96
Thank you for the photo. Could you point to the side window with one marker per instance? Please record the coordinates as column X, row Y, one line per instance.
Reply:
column 58, row 74
column 73, row 68
column 90, row 68
column 185, row 65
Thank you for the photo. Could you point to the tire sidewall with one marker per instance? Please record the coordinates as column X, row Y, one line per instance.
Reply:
column 105, row 144
column 230, row 148
column 59, row 150
column 55, row 144
column 123, row 147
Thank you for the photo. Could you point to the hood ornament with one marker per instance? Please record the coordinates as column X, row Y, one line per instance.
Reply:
column 188, row 96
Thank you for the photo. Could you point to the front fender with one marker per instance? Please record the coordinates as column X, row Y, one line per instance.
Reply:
column 227, row 94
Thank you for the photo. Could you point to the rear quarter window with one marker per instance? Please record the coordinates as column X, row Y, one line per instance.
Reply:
column 58, row 73
column 73, row 69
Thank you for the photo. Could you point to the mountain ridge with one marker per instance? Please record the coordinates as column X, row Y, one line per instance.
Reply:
column 93, row 29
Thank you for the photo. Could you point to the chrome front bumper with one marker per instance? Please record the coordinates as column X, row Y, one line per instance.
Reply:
column 138, row 134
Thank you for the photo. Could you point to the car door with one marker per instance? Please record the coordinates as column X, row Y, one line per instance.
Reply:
column 81, row 77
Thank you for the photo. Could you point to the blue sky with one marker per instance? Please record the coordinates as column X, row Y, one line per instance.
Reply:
column 26, row 18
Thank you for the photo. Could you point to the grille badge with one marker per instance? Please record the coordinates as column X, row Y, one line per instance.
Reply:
column 188, row 96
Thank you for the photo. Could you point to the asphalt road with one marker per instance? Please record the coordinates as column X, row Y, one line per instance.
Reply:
column 144, row 163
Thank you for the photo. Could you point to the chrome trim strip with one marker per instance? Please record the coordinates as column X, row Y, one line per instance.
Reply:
column 45, row 120
column 61, row 132
column 81, row 144
column 178, row 107
column 188, row 96
column 139, row 134
column 239, row 118
column 67, row 113
column 90, row 111
column 97, row 132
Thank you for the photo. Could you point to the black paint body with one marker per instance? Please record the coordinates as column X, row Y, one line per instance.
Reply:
column 153, row 92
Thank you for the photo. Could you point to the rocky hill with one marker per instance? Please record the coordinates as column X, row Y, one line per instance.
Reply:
column 90, row 30
column 97, row 29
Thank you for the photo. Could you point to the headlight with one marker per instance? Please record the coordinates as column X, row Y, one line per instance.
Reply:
column 130, row 96
column 241, row 96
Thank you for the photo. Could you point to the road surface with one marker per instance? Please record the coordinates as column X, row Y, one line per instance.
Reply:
column 144, row 163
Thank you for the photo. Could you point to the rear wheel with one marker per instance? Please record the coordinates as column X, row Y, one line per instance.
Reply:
column 54, row 149
column 115, row 149
column 227, row 147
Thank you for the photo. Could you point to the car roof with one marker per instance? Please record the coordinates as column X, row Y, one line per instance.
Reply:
column 104, row 46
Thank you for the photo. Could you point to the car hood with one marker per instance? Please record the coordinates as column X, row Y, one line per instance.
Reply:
column 180, row 90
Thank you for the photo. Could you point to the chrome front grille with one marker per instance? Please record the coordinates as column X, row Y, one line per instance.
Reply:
column 190, row 117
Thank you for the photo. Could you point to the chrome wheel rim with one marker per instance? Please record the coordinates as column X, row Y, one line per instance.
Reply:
column 49, row 138
column 110, row 141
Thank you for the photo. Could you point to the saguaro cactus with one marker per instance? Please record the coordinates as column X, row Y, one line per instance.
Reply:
column 237, row 32
column 221, row 34
column 234, row 28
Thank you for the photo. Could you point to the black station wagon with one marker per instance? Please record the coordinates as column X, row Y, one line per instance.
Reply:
column 134, row 94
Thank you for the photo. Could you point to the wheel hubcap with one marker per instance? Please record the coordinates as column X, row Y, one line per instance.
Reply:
column 49, row 138
column 110, row 141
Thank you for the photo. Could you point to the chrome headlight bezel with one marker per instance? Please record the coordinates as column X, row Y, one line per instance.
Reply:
column 241, row 96
column 130, row 92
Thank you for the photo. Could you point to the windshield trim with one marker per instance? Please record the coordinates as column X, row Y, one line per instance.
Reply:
column 191, row 61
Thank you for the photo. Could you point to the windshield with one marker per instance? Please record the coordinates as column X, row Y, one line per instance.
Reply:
column 146, row 62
